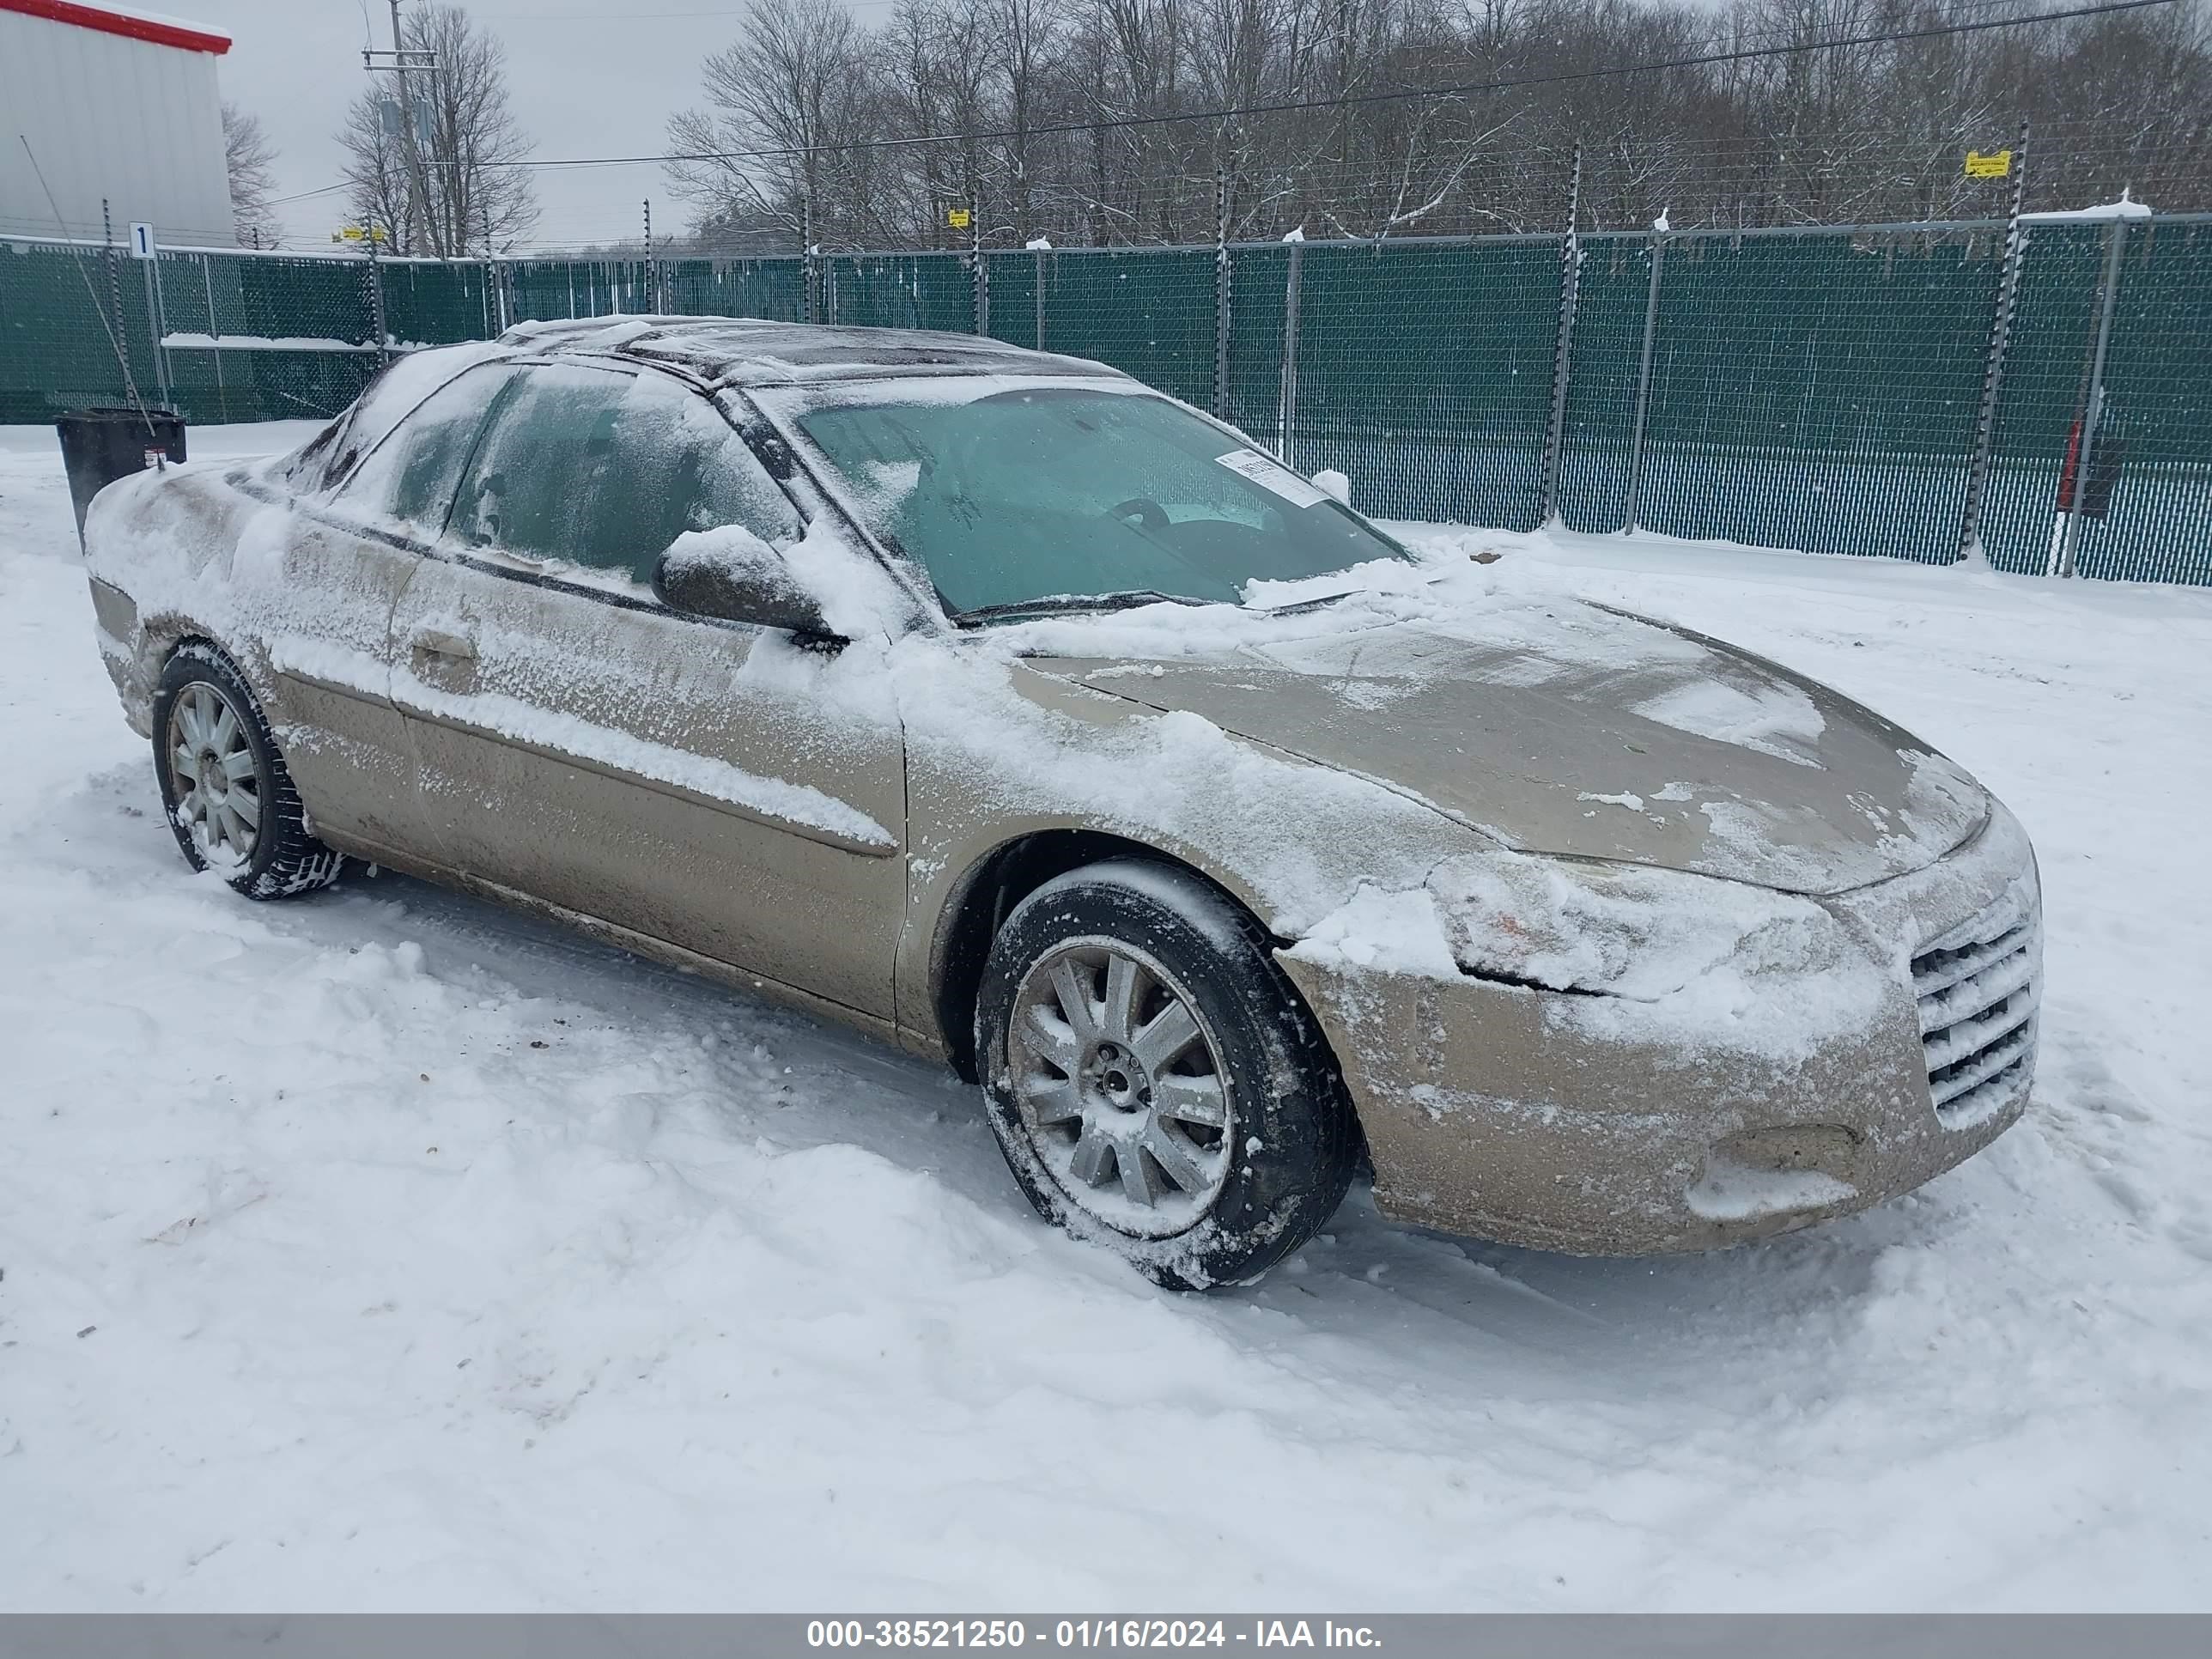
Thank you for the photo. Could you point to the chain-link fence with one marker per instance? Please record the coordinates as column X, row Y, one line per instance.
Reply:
column 1836, row 389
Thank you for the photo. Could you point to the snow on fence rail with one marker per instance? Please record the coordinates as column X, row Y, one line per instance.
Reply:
column 1843, row 389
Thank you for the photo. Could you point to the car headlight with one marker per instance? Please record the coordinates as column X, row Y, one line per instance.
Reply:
column 1625, row 930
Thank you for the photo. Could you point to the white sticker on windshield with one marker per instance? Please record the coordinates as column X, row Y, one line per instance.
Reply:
column 1272, row 476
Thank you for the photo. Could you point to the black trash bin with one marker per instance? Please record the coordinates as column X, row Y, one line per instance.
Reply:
column 99, row 446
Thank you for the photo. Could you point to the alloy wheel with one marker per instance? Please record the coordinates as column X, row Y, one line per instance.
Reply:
column 213, row 779
column 1121, row 1087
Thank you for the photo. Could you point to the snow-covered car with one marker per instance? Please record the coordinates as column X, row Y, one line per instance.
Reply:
column 1030, row 719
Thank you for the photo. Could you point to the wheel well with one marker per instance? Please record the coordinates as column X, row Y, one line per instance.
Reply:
column 1002, row 881
column 162, row 645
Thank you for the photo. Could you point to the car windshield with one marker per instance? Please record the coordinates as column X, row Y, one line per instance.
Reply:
column 1045, row 493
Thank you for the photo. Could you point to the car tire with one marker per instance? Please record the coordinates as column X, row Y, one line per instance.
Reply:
column 225, row 788
column 1242, row 1138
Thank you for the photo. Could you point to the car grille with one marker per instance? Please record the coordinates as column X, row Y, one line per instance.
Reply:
column 1977, row 990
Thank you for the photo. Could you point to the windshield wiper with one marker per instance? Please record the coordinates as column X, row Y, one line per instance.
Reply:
column 1127, row 599
column 1299, row 607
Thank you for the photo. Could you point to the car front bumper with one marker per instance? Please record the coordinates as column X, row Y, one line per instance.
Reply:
column 1541, row 1118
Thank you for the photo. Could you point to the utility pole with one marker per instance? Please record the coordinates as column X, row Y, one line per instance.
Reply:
column 417, row 193
column 401, row 60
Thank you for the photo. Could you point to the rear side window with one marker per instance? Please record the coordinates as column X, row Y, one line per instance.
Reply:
column 413, row 473
column 326, row 458
column 603, row 469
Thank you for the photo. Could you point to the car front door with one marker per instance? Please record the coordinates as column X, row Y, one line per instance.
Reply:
column 580, row 743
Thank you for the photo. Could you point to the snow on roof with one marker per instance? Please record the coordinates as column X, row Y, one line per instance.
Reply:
column 753, row 351
column 129, row 21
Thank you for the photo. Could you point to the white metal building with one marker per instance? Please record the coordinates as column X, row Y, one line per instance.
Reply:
column 113, row 102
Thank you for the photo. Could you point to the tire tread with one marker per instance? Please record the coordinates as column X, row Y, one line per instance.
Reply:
column 294, row 861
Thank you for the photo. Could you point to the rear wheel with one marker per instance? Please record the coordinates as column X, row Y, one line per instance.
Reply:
column 224, row 784
column 1153, row 1081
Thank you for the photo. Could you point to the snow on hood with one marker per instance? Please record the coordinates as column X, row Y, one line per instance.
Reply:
column 1552, row 726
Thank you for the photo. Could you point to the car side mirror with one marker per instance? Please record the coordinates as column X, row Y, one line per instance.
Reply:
column 732, row 574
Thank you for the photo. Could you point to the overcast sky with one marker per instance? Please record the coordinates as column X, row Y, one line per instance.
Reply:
column 588, row 77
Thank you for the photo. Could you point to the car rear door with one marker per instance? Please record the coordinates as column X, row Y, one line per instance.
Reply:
column 581, row 743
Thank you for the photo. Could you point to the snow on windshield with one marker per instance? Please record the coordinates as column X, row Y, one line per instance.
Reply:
column 1014, row 492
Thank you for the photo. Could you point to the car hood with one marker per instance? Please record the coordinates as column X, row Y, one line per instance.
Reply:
column 1566, row 728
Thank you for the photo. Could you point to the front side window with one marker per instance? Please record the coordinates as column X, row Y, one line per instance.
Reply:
column 602, row 469
column 1050, row 492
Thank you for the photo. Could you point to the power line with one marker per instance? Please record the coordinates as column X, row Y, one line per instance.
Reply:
column 1737, row 55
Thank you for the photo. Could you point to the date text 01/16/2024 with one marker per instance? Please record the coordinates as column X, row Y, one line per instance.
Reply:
column 1130, row 1633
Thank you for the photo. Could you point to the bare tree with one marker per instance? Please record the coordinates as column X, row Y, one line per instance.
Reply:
column 431, row 154
column 795, row 84
column 248, row 157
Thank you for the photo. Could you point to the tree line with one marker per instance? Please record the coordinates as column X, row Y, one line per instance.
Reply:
column 1089, row 121
column 1098, row 122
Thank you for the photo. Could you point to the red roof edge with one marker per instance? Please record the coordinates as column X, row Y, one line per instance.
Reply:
column 156, row 30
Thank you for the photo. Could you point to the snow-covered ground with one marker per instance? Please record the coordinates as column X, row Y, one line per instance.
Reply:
column 387, row 1250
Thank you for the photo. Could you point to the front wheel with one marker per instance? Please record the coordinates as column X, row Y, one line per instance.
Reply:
column 1154, row 1082
column 224, row 784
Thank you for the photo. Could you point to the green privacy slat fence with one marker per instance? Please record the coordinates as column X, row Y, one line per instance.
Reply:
column 728, row 287
column 426, row 304
column 896, row 290
column 1792, row 373
column 1260, row 308
column 1425, row 371
column 2046, row 375
column 2157, row 405
column 247, row 337
column 1604, row 373
column 1818, row 388
column 1148, row 312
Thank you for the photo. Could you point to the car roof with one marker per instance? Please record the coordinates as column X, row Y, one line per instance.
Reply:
column 745, row 352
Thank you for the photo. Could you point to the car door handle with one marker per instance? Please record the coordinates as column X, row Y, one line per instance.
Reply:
column 438, row 642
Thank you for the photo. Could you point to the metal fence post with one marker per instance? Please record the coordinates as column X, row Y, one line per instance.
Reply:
column 1631, row 507
column 2093, row 411
column 1221, row 312
column 1286, row 407
column 214, row 333
column 1037, row 296
column 980, row 272
column 157, row 324
column 806, row 257
column 381, row 334
column 1985, row 423
column 1570, row 268
column 121, row 335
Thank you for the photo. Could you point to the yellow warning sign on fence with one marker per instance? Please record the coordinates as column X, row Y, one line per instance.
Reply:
column 1996, row 164
column 956, row 217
